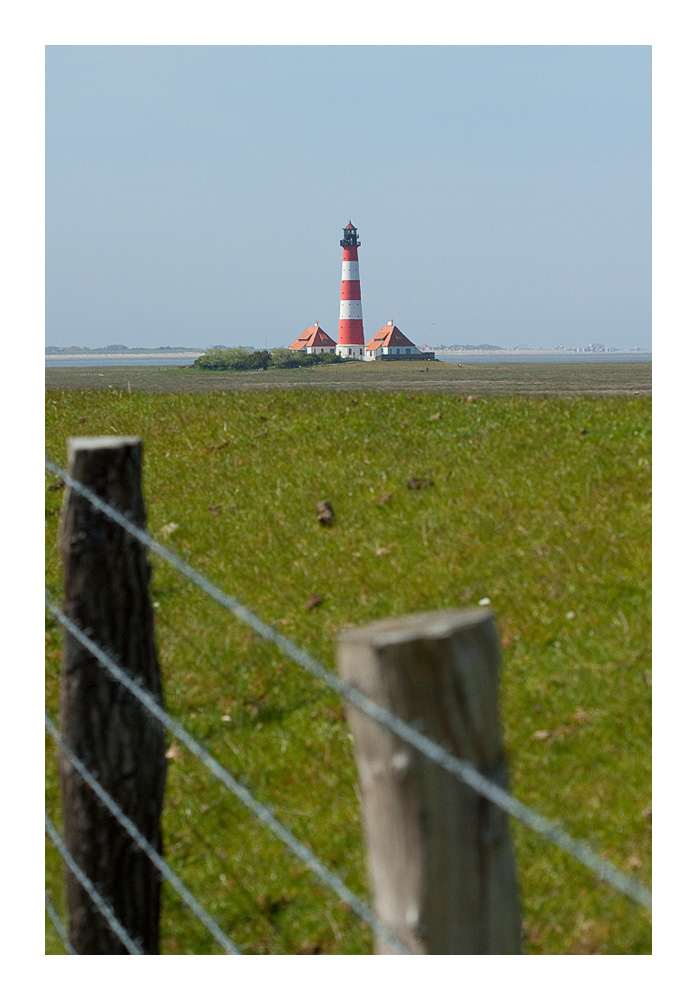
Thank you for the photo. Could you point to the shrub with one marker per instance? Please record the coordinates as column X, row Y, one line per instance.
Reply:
column 257, row 359
column 330, row 359
column 221, row 358
column 283, row 357
column 232, row 359
column 292, row 359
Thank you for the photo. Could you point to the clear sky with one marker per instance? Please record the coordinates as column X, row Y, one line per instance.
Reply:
column 195, row 195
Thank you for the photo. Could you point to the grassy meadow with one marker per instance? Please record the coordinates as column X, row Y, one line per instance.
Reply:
column 541, row 504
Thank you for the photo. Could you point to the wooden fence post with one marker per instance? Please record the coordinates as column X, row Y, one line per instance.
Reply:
column 440, row 856
column 106, row 580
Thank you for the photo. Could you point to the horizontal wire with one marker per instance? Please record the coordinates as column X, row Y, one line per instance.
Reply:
column 58, row 924
column 463, row 770
column 92, row 891
column 130, row 828
column 261, row 811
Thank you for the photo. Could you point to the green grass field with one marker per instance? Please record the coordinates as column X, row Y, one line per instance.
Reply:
column 540, row 503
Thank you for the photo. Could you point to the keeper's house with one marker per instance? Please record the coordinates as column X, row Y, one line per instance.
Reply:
column 314, row 340
column 390, row 343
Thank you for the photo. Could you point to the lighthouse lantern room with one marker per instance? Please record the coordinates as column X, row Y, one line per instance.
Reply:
column 350, row 342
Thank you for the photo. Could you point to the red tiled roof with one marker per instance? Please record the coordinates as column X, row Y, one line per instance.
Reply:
column 313, row 336
column 388, row 336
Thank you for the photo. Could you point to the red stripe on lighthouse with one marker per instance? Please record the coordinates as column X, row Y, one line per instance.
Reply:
column 351, row 289
column 351, row 332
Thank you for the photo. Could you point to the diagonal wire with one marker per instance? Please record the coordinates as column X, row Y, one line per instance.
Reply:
column 462, row 770
column 143, row 844
column 261, row 811
column 58, row 924
column 104, row 908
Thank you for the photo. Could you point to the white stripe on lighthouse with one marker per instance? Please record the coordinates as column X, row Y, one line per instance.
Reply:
column 349, row 270
column 350, row 309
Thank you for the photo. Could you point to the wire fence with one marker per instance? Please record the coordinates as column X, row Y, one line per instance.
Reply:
column 102, row 905
column 130, row 828
column 462, row 770
column 58, row 924
column 261, row 811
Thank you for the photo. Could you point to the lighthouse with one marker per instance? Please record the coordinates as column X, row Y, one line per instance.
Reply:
column 350, row 342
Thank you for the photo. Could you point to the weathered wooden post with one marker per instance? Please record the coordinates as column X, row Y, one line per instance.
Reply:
column 106, row 579
column 440, row 856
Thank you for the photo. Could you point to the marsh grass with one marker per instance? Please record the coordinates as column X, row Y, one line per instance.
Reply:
column 541, row 505
column 389, row 376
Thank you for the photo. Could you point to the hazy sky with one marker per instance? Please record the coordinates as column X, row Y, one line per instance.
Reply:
column 196, row 195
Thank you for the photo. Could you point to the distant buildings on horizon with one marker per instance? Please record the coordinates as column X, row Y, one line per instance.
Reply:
column 490, row 348
column 393, row 342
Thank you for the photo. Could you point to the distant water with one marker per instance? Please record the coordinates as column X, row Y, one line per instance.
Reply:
column 89, row 361
column 535, row 359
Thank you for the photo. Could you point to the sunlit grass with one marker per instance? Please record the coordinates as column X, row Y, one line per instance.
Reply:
column 541, row 505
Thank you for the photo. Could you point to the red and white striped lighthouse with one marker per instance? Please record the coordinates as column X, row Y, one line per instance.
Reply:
column 350, row 340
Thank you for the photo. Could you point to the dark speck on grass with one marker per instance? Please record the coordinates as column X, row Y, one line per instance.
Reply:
column 325, row 514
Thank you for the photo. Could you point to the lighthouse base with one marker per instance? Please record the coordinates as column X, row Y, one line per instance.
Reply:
column 352, row 351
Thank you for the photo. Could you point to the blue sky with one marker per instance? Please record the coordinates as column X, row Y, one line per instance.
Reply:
column 196, row 194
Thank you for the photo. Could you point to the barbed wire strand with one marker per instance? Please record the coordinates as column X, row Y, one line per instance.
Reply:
column 262, row 812
column 147, row 849
column 58, row 924
column 104, row 908
column 463, row 770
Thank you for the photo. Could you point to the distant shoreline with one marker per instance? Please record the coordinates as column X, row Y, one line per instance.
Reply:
column 184, row 355
column 514, row 353
column 135, row 353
